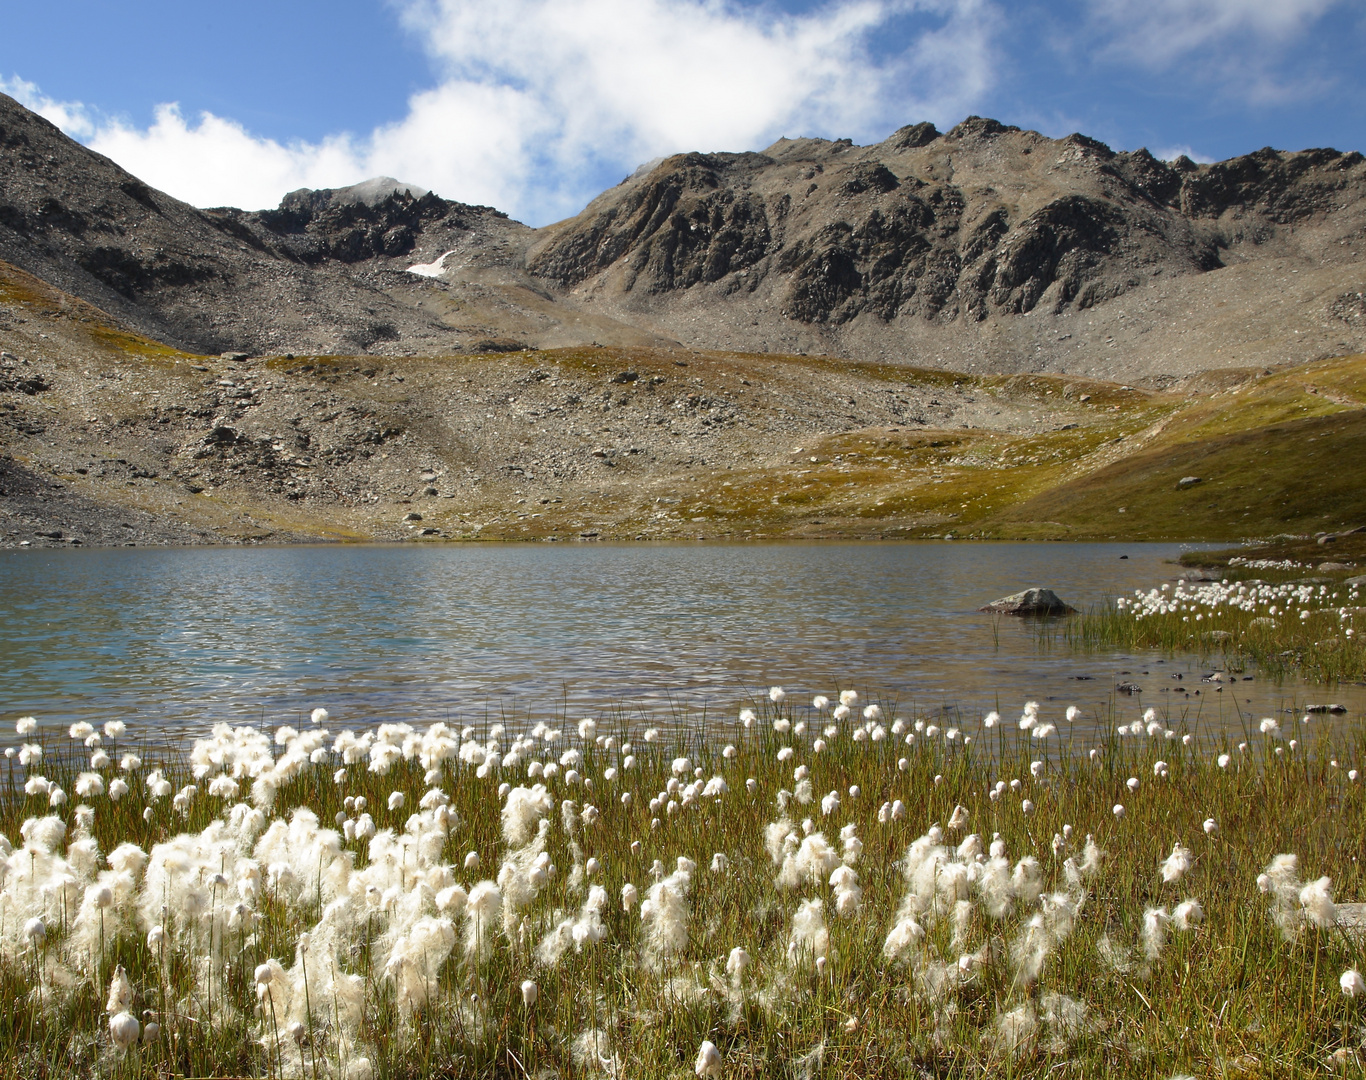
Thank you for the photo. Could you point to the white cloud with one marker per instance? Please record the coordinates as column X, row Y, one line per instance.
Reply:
column 71, row 117
column 555, row 92
column 537, row 101
column 217, row 162
column 1236, row 44
column 1158, row 32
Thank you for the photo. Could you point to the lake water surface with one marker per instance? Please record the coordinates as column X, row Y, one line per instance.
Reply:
column 174, row 639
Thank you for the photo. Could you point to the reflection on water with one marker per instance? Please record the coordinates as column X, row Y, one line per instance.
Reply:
column 170, row 639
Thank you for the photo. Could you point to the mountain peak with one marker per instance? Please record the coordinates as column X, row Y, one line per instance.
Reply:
column 371, row 192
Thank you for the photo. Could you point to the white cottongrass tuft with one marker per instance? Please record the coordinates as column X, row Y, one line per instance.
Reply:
column 664, row 918
column 736, row 964
column 484, row 905
column 1187, row 915
column 1016, row 1030
column 124, row 1030
column 1352, row 984
column 523, row 811
column 1294, row 904
column 810, row 864
column 120, row 992
column 1154, row 933
column 809, row 942
column 1175, row 865
column 708, row 1062
column 587, row 928
column 1316, row 901
column 848, row 892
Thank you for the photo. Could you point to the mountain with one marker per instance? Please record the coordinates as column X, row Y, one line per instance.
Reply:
column 986, row 249
column 977, row 333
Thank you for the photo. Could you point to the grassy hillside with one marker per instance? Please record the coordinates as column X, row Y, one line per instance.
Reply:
column 1296, row 477
column 1278, row 453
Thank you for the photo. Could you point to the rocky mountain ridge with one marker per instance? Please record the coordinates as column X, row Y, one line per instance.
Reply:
column 982, row 332
column 985, row 248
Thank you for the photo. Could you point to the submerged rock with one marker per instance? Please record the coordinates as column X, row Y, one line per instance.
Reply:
column 1030, row 602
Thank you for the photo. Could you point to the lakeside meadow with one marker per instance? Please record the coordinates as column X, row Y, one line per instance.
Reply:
column 808, row 888
column 1291, row 627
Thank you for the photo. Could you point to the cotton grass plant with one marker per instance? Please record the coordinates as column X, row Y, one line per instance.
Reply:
column 818, row 889
column 1294, row 627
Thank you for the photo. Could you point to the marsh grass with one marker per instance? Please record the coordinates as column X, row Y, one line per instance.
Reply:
column 1232, row 997
column 1283, row 629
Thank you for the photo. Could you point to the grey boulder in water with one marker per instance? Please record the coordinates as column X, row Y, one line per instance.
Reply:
column 1030, row 602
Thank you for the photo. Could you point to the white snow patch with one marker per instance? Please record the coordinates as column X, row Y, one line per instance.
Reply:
column 431, row 269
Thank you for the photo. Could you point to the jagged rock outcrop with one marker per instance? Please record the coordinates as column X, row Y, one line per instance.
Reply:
column 984, row 220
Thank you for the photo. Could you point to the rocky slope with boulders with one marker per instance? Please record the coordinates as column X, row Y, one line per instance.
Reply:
column 110, row 437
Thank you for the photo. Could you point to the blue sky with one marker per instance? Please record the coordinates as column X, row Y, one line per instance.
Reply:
column 536, row 105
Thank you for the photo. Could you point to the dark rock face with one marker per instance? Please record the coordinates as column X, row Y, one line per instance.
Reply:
column 681, row 227
column 1029, row 602
column 30, row 506
column 937, row 226
column 310, row 227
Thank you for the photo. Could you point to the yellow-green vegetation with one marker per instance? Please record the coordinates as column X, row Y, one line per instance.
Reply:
column 822, row 890
column 1269, row 455
column 40, row 298
column 1263, row 450
column 1313, row 629
column 129, row 343
column 922, row 480
column 1285, row 477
